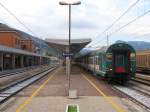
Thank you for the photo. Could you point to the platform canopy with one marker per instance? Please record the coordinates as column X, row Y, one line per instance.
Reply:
column 62, row 44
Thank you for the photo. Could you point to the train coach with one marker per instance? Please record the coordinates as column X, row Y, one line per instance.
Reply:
column 143, row 61
column 118, row 62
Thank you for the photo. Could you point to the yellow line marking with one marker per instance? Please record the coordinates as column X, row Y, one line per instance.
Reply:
column 110, row 101
column 27, row 101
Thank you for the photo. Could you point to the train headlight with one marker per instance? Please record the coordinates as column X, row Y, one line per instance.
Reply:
column 109, row 56
column 132, row 56
column 108, row 69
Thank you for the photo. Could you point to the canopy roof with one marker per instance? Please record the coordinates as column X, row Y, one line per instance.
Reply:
column 62, row 44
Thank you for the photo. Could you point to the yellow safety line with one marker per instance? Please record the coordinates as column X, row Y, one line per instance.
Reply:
column 110, row 101
column 27, row 101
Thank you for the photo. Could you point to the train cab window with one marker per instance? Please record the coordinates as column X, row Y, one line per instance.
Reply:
column 109, row 57
column 132, row 56
column 119, row 59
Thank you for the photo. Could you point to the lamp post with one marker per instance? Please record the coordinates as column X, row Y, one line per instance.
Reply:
column 69, row 47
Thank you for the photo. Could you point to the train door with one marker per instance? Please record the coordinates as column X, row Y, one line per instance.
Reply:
column 121, row 62
column 102, row 62
column 94, row 63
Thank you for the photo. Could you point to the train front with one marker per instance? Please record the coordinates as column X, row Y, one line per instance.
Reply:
column 120, row 62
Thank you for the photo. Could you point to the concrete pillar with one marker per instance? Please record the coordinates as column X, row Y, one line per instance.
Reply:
column 35, row 60
column 32, row 60
column 34, row 63
column 27, row 60
column 22, row 61
column 47, row 61
column 13, row 61
column 1, row 61
column 39, row 61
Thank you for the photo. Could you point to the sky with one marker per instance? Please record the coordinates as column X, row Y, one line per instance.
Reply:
column 47, row 19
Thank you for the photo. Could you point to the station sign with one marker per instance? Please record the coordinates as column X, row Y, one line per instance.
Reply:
column 67, row 54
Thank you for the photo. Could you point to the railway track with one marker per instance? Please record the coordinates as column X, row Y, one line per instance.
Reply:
column 135, row 94
column 14, row 88
column 142, row 81
column 6, row 81
column 16, row 72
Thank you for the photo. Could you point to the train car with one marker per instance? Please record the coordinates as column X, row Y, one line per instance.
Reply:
column 118, row 62
column 143, row 61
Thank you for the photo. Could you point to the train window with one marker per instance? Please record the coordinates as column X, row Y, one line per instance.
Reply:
column 109, row 56
column 96, row 60
column 91, row 60
column 132, row 56
column 119, row 59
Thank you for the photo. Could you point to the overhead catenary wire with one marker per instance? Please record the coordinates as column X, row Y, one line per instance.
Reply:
column 126, row 11
column 141, row 36
column 132, row 21
column 13, row 15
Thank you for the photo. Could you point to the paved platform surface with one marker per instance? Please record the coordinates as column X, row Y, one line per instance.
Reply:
column 52, row 97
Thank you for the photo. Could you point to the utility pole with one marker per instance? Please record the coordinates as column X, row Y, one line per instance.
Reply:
column 68, row 58
column 69, row 62
column 40, row 52
column 107, row 41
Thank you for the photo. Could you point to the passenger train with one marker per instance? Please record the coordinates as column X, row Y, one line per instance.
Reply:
column 118, row 62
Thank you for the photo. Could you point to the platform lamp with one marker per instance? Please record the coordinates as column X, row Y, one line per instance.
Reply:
column 68, row 58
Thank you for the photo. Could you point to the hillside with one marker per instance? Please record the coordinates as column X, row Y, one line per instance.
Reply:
column 138, row 45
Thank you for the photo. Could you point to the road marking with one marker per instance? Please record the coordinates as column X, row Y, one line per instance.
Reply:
column 27, row 101
column 109, row 100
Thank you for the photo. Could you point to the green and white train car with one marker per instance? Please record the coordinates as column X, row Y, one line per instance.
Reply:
column 118, row 62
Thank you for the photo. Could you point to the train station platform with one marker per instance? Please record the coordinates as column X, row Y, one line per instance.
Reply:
column 50, row 94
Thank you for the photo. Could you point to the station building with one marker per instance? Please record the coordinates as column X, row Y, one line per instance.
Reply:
column 10, row 39
column 14, row 40
column 28, row 45
column 18, row 52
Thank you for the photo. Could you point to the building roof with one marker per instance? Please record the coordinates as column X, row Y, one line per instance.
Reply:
column 65, row 41
column 16, row 51
column 62, row 44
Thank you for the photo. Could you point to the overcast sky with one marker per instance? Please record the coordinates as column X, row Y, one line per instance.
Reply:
column 50, row 20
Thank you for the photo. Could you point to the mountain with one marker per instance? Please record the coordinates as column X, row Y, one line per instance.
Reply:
column 138, row 45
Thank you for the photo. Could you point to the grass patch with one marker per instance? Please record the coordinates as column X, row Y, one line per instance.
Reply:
column 72, row 108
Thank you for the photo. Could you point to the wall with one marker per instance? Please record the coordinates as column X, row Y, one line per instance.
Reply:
column 28, row 45
column 10, row 39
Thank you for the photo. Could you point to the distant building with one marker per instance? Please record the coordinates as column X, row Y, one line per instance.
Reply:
column 28, row 45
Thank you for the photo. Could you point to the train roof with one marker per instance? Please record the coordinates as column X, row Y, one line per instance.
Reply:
column 120, row 46
column 115, row 46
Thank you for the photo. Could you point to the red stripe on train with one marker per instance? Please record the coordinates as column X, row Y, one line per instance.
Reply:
column 120, row 69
